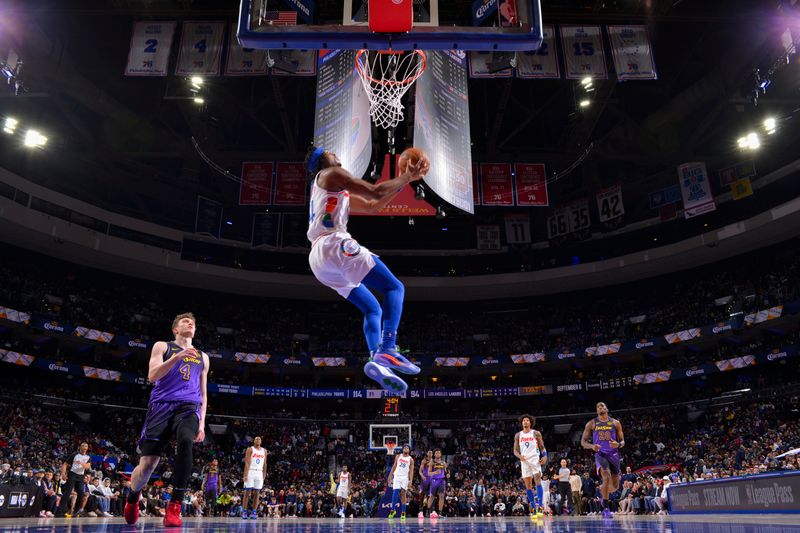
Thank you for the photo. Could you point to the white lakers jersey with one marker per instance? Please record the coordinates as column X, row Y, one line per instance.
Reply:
column 528, row 445
column 328, row 212
column 257, row 458
column 344, row 481
column 401, row 469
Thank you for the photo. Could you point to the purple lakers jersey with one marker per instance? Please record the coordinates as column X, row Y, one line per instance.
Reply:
column 436, row 470
column 182, row 382
column 603, row 434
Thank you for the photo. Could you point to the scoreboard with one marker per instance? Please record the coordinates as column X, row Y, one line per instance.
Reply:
column 390, row 407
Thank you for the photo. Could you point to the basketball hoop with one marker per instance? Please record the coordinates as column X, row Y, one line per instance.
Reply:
column 386, row 76
column 390, row 446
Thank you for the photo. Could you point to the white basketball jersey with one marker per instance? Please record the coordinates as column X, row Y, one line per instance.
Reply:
column 257, row 458
column 528, row 445
column 328, row 212
column 401, row 469
column 344, row 481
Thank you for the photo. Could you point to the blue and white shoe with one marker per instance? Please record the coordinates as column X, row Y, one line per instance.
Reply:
column 254, row 515
column 244, row 514
column 385, row 378
column 394, row 360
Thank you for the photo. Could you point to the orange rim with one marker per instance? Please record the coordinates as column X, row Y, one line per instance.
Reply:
column 407, row 81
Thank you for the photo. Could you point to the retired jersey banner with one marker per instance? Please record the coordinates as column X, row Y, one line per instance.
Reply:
column 497, row 184
column 663, row 197
column 290, row 184
column 584, row 56
column 609, row 203
column 633, row 54
column 201, row 49
column 479, row 65
column 255, row 188
column 244, row 61
column 209, row 217
column 151, row 43
column 543, row 62
column 531, row 184
column 695, row 189
column 301, row 62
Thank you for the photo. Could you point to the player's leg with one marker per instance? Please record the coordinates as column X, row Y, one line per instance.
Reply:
column 258, row 484
column 382, row 280
column 395, row 499
column 403, row 503
column 246, row 497
column 186, row 424
column 537, row 480
column 527, row 479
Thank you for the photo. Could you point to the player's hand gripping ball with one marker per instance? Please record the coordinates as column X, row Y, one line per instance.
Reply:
column 413, row 155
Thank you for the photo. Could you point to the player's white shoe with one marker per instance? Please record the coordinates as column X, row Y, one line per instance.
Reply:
column 385, row 378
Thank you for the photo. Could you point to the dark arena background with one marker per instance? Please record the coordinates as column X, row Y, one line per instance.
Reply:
column 595, row 266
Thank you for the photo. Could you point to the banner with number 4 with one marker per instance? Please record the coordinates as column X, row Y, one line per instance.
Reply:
column 609, row 203
column 151, row 43
column 201, row 49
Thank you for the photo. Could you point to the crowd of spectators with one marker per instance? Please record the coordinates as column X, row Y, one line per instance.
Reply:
column 668, row 445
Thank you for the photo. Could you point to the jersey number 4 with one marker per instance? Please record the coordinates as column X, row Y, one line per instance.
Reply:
column 186, row 372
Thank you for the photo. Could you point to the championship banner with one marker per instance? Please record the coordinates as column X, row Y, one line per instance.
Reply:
column 255, row 187
column 300, row 62
column 558, row 223
column 584, row 56
column 633, row 54
column 209, row 217
column 476, row 186
column 763, row 315
column 652, row 377
column 266, row 228
column 531, row 184
column 441, row 127
column 488, row 237
column 741, row 189
column 480, row 64
column 609, row 203
column 606, row 349
column 255, row 358
column 525, row 358
column 682, row 336
column 667, row 196
column 451, row 361
column 13, row 315
column 93, row 334
column 201, row 49
column 151, row 43
column 342, row 123
column 542, row 63
column 290, row 184
column 518, row 229
column 578, row 215
column 244, row 61
column 695, row 190
column 497, row 184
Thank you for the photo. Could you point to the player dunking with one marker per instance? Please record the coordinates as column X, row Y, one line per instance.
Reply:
column 343, row 490
column 338, row 261
column 437, row 473
column 401, row 477
column 529, row 449
column 607, row 439
column 255, row 470
column 177, row 407
column 424, row 482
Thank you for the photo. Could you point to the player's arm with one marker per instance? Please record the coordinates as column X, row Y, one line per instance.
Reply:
column 266, row 456
column 517, row 453
column 620, row 436
column 366, row 197
column 587, row 434
column 204, row 475
column 201, row 432
column 157, row 367
column 422, row 465
column 446, row 471
column 247, row 455
column 411, row 473
column 543, row 450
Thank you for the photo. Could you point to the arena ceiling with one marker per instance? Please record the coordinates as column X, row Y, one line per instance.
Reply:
column 125, row 143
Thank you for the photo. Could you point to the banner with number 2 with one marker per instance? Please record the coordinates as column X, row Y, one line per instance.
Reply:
column 201, row 49
column 151, row 43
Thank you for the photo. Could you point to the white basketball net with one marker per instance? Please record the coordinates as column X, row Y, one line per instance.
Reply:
column 386, row 76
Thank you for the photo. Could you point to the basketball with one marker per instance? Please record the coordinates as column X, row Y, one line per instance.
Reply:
column 410, row 155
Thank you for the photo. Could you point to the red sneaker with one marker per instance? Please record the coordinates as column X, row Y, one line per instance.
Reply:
column 172, row 517
column 131, row 513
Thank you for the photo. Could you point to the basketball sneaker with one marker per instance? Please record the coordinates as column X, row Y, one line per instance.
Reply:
column 539, row 512
column 131, row 512
column 402, row 516
column 254, row 515
column 385, row 378
column 420, row 515
column 391, row 358
column 172, row 516
column 434, row 514
column 392, row 514
column 607, row 513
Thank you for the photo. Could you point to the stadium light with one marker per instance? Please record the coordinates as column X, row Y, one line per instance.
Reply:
column 10, row 125
column 751, row 141
column 34, row 139
column 199, row 100
column 585, row 103
column 196, row 82
column 587, row 81
column 770, row 125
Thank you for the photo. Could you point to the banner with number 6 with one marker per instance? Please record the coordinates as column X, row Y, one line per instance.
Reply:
column 609, row 203
column 201, row 49
column 151, row 43
column 584, row 55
